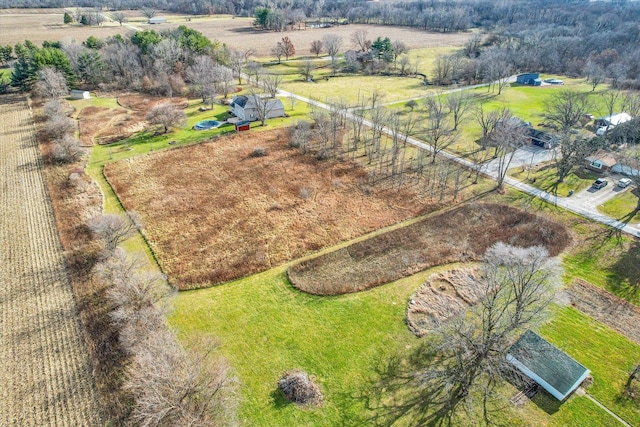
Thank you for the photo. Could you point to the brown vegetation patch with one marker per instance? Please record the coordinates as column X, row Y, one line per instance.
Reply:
column 238, row 33
column 443, row 296
column 215, row 213
column 461, row 234
column 94, row 120
column 606, row 308
column 144, row 103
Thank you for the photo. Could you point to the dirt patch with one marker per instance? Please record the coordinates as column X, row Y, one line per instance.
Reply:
column 461, row 234
column 443, row 296
column 606, row 308
column 144, row 103
column 215, row 213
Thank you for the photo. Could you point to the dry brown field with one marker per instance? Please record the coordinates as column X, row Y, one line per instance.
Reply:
column 38, row 25
column 459, row 235
column 214, row 213
column 47, row 378
column 239, row 33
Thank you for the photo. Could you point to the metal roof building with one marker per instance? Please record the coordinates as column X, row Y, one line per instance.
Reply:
column 550, row 367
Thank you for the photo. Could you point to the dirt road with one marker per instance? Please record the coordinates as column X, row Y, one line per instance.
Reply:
column 45, row 372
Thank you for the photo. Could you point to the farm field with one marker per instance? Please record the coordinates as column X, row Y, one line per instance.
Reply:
column 38, row 25
column 47, row 376
column 215, row 213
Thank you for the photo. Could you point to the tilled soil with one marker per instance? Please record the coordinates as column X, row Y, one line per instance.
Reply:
column 45, row 372
column 607, row 308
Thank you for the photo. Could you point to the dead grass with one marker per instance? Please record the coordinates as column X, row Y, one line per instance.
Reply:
column 215, row 213
column 607, row 308
column 239, row 33
column 461, row 234
column 103, row 125
column 443, row 296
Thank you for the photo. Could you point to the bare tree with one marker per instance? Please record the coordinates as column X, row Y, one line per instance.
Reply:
column 488, row 121
column 306, row 69
column 202, row 77
column 459, row 104
column 398, row 49
column 316, row 47
column 66, row 149
column 360, row 38
column 120, row 17
column 438, row 131
column 149, row 11
column 272, row 83
column 51, row 84
column 288, row 48
column 236, row 62
column 565, row 108
column 58, row 126
column 224, row 82
column 631, row 104
column 332, row 44
column 167, row 115
column 463, row 365
column 113, row 229
column 173, row 387
column 278, row 51
column 264, row 105
column 611, row 100
column 507, row 137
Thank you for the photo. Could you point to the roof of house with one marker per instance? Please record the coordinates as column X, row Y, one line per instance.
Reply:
column 616, row 119
column 541, row 135
column 553, row 369
column 603, row 157
column 240, row 101
column 529, row 74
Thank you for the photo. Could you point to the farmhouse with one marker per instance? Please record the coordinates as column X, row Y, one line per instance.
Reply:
column 600, row 162
column 246, row 107
column 80, row 94
column 157, row 20
column 547, row 365
column 531, row 79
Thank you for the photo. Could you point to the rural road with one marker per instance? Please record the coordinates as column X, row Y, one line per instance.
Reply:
column 45, row 373
column 523, row 156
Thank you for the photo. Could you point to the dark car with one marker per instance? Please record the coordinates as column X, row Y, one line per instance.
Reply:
column 600, row 183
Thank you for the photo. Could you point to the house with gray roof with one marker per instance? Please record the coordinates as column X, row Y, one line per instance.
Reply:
column 551, row 368
column 247, row 108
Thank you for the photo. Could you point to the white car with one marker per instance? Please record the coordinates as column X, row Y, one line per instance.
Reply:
column 624, row 182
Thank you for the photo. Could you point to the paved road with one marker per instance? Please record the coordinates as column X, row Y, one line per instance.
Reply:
column 490, row 169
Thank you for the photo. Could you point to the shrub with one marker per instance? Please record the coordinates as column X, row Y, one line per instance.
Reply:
column 66, row 150
column 259, row 152
column 299, row 388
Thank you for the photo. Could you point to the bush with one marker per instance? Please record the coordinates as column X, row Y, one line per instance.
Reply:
column 259, row 152
column 66, row 150
column 58, row 126
column 299, row 388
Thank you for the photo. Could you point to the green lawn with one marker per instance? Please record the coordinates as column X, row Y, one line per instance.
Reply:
column 622, row 206
column 608, row 355
column 545, row 177
column 349, row 87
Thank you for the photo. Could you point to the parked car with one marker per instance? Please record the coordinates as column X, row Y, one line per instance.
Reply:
column 624, row 182
column 600, row 183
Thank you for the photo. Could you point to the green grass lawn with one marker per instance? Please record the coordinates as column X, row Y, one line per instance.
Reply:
column 608, row 355
column 622, row 207
column 545, row 177
column 349, row 87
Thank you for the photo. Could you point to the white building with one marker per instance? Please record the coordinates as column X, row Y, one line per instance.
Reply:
column 80, row 94
column 246, row 108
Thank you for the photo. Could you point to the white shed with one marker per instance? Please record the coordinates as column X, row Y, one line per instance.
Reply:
column 80, row 94
column 157, row 20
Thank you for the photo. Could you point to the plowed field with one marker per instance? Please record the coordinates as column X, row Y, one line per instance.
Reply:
column 45, row 372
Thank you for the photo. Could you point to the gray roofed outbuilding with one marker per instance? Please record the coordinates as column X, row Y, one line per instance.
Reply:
column 554, row 370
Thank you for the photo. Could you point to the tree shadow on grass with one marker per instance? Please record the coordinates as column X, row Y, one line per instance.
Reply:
column 624, row 275
column 278, row 399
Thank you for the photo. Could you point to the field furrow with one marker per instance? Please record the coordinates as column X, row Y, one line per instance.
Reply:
column 45, row 372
